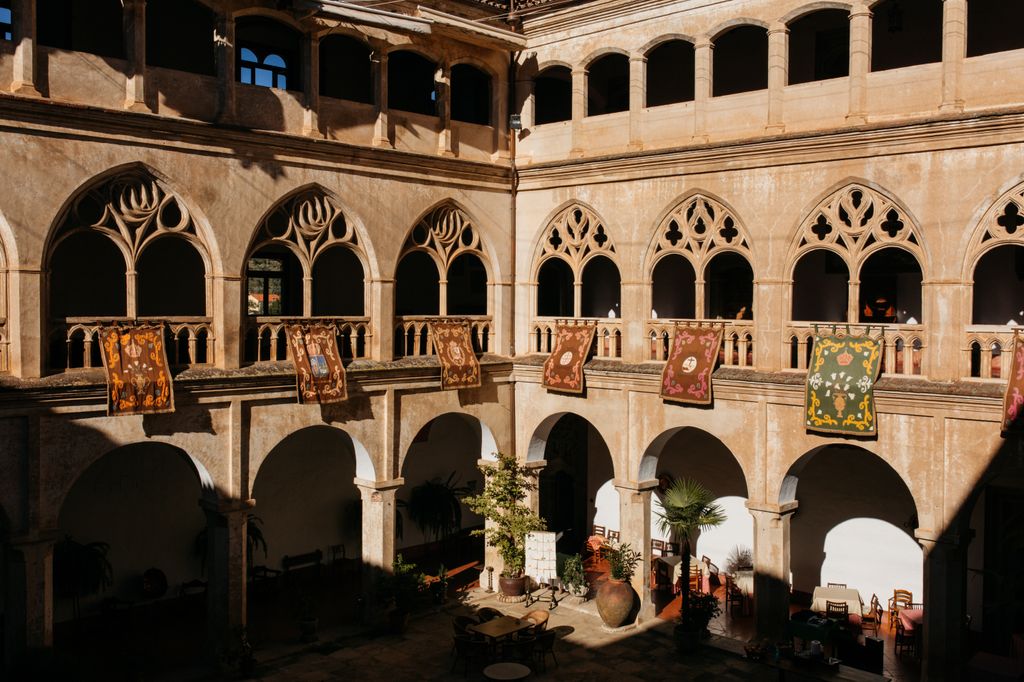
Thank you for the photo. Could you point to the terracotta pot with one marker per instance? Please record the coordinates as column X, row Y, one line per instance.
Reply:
column 615, row 600
column 512, row 587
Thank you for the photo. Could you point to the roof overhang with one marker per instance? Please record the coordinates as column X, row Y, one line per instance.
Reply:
column 368, row 16
column 473, row 32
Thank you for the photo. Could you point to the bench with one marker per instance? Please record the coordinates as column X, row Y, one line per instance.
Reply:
column 307, row 560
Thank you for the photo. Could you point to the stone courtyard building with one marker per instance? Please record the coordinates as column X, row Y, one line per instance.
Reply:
column 770, row 166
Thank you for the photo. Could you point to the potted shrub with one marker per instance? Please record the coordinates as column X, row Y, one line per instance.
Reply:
column 506, row 484
column 693, row 623
column 740, row 559
column 574, row 579
column 399, row 590
column 616, row 597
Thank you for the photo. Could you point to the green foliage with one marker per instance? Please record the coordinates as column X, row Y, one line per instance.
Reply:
column 435, row 506
column 501, row 502
column 402, row 586
column 622, row 560
column 739, row 558
column 80, row 570
column 688, row 507
column 573, row 575
column 702, row 608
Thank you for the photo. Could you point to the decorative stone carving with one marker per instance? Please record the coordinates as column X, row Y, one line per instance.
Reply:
column 1003, row 224
column 446, row 232
column 576, row 235
column 308, row 222
column 698, row 228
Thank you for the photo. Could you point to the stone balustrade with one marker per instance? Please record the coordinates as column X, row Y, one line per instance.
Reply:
column 607, row 337
column 903, row 352
column 412, row 334
column 737, row 340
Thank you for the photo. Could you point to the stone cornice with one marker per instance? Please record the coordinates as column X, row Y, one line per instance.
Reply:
column 596, row 16
column 925, row 134
column 58, row 119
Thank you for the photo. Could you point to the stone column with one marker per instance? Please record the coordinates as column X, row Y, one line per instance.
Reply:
column 860, row 62
column 635, row 528
column 771, row 566
column 226, row 532
column 944, row 300
column 23, row 15
column 31, row 615
column 26, row 323
column 637, row 99
column 853, row 303
column 378, row 527
column 307, row 294
column 945, row 599
column 698, row 292
column 634, row 344
column 311, row 86
column 229, row 343
column 134, row 22
column 499, row 119
column 379, row 73
column 954, row 51
column 224, row 46
column 442, row 83
column 702, row 82
column 577, row 296
column 579, row 109
column 131, row 276
column 778, row 75
column 382, row 319
column 770, row 317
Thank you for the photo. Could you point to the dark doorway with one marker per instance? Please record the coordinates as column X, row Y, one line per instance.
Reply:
column 87, row 278
column 94, row 26
column 564, row 502
column 673, row 292
column 171, row 280
column 890, row 288
column 729, row 288
column 338, row 283
column 179, row 35
column 471, row 95
column 601, row 289
column 467, row 286
column 993, row 26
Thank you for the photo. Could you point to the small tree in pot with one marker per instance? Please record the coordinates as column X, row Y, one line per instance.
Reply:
column 506, row 484
column 616, row 598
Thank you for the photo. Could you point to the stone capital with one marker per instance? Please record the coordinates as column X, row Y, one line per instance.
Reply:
column 769, row 508
column 635, row 486
column 228, row 508
column 379, row 486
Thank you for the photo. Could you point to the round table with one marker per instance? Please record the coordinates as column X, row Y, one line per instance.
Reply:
column 507, row 671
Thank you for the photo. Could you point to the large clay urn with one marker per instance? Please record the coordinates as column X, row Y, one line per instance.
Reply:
column 615, row 600
column 512, row 587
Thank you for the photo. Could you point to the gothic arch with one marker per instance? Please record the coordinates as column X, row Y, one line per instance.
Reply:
column 575, row 233
column 854, row 221
column 1001, row 224
column 810, row 8
column 445, row 232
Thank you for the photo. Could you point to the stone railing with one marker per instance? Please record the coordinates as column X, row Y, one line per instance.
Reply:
column 412, row 334
column 903, row 353
column 265, row 339
column 607, row 338
column 737, row 339
column 74, row 341
column 986, row 351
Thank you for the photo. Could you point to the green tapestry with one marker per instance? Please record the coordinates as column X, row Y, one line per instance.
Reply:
column 840, row 379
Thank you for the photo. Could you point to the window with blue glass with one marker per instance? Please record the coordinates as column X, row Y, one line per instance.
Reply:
column 268, row 54
column 5, row 20
column 271, row 72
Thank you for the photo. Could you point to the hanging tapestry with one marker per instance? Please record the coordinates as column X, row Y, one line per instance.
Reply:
column 319, row 374
column 840, row 379
column 138, row 378
column 687, row 374
column 563, row 370
column 1013, row 402
column 454, row 347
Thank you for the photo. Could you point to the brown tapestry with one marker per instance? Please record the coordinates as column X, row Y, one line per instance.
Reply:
column 319, row 374
column 454, row 347
column 138, row 378
column 563, row 370
column 1013, row 401
column 687, row 374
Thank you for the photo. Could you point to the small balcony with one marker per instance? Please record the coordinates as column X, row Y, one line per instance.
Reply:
column 74, row 341
column 903, row 352
column 987, row 351
column 607, row 338
column 737, row 348
column 266, row 339
column 412, row 334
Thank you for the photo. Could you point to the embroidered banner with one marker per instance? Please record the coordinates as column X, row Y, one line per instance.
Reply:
column 840, row 379
column 563, row 370
column 319, row 374
column 1013, row 402
column 454, row 347
column 687, row 374
column 138, row 378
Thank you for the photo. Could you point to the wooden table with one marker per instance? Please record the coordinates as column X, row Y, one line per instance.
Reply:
column 499, row 628
column 846, row 594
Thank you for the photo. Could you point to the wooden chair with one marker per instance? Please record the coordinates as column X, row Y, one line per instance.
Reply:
column 733, row 595
column 842, row 585
column 657, row 548
column 901, row 599
column 539, row 619
column 838, row 610
column 545, row 647
column 904, row 639
column 595, row 546
column 671, row 549
column 487, row 613
column 696, row 578
column 598, row 530
column 872, row 620
column 613, row 536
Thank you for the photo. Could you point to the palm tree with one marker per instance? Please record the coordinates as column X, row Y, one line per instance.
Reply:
column 688, row 507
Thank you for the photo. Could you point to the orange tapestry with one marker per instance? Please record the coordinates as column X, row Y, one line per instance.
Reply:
column 563, row 370
column 454, row 347
column 138, row 378
column 687, row 374
column 319, row 374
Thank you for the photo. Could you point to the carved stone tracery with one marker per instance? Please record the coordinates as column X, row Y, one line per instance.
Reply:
column 1003, row 224
column 576, row 235
column 309, row 222
column 697, row 229
column 447, row 233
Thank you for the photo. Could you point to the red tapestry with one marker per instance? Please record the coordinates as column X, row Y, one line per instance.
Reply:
column 1013, row 402
column 687, row 374
column 138, row 378
column 319, row 374
column 563, row 370
column 454, row 347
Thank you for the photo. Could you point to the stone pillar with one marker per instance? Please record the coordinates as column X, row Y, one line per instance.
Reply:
column 699, row 297
column 702, row 86
column 26, row 323
column 382, row 318
column 31, row 615
column 954, row 51
column 307, row 294
column 860, row 62
column 226, row 532
column 499, row 119
column 229, row 343
column 771, row 566
column 442, row 84
column 637, row 99
column 944, row 300
column 945, row 600
column 134, row 22
column 634, row 345
column 224, row 46
column 311, row 86
column 770, row 317
column 635, row 528
column 778, row 75
column 378, row 528
column 579, row 109
column 853, row 302
column 379, row 69
column 23, row 15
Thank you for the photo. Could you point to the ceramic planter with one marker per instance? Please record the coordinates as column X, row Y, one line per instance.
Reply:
column 615, row 601
column 512, row 587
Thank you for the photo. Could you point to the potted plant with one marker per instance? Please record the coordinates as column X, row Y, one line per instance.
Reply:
column 435, row 506
column 740, row 559
column 439, row 587
column 688, row 507
column 616, row 597
column 506, row 484
column 693, row 625
column 574, row 579
column 399, row 590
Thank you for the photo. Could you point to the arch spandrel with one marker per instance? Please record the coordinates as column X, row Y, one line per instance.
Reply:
column 575, row 233
column 446, row 232
column 1002, row 224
